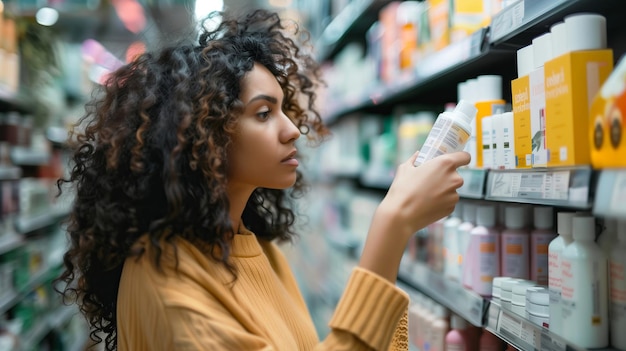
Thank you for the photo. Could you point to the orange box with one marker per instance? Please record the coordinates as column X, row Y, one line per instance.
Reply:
column 571, row 82
column 520, row 95
column 607, row 121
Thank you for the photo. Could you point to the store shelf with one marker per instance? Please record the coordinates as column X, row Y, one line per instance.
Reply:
column 446, row 292
column 22, row 156
column 8, row 301
column 525, row 335
column 444, row 68
column 352, row 22
column 10, row 101
column 562, row 187
column 10, row 173
column 50, row 321
column 611, row 194
column 473, row 183
column 30, row 223
column 10, row 242
column 521, row 21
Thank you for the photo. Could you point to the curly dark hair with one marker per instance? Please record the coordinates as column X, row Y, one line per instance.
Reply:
column 150, row 155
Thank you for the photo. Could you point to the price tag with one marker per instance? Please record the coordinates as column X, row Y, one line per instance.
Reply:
column 556, row 185
column 550, row 343
column 618, row 200
column 518, row 331
column 510, row 18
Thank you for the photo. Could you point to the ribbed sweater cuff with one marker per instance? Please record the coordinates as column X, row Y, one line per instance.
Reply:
column 370, row 308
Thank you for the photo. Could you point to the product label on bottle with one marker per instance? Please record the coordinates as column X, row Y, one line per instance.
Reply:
column 539, row 258
column 515, row 256
column 618, row 290
column 554, row 277
column 445, row 137
column 584, row 303
column 487, row 264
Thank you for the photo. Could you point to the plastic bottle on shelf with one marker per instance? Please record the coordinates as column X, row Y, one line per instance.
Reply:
column 608, row 237
column 540, row 238
column 449, row 134
column 555, row 278
column 456, row 339
column 463, row 239
column 585, row 288
column 439, row 329
column 489, row 342
column 450, row 242
column 484, row 253
column 515, row 253
column 618, row 289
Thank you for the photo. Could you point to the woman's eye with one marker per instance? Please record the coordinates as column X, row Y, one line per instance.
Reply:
column 264, row 114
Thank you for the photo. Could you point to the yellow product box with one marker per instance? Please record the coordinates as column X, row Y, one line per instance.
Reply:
column 607, row 121
column 571, row 82
column 520, row 96
column 467, row 17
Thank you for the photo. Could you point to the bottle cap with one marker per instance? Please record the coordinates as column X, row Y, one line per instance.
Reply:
column 543, row 217
column 469, row 213
column 486, row 216
column 559, row 39
column 525, row 61
column 542, row 49
column 514, row 217
column 489, row 87
column 585, row 31
column 584, row 228
column 472, row 90
column 564, row 223
column 466, row 110
column 457, row 322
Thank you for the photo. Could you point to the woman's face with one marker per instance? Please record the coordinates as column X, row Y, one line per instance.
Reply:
column 263, row 151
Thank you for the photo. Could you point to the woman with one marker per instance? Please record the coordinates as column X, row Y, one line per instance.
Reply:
column 184, row 172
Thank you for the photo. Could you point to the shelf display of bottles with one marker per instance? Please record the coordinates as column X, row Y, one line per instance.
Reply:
column 490, row 264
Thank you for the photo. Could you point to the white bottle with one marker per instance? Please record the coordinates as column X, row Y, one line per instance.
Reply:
column 449, row 134
column 497, row 140
column 608, row 237
column 463, row 237
column 515, row 253
column 618, row 289
column 540, row 238
column 585, row 288
column 484, row 252
column 555, row 279
column 438, row 329
column 450, row 242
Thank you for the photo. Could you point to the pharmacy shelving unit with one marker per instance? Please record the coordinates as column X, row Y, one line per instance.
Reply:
column 488, row 51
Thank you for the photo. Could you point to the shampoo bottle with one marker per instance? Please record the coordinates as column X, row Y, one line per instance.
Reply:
column 618, row 289
column 555, row 278
column 584, row 291
column 484, row 252
column 449, row 134
column 540, row 238
column 463, row 237
column 515, row 251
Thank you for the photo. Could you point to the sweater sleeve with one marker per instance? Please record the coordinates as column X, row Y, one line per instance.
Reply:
column 369, row 311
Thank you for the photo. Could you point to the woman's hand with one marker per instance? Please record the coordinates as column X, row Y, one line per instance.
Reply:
column 422, row 195
column 417, row 197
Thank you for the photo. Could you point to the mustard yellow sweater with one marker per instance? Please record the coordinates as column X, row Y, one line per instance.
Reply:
column 199, row 307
